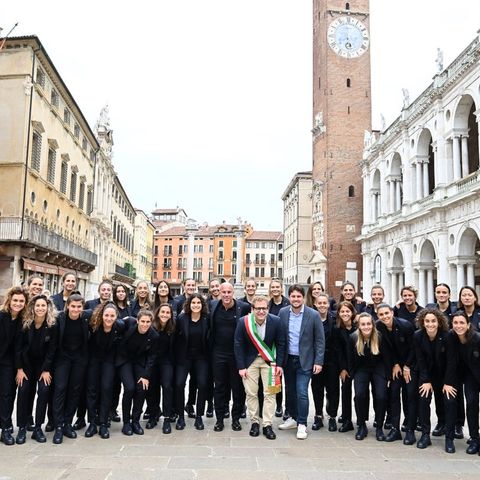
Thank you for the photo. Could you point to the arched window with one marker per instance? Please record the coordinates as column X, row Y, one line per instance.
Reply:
column 347, row 6
column 349, row 83
column 351, row 191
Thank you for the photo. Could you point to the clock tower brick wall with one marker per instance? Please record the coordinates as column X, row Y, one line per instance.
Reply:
column 341, row 91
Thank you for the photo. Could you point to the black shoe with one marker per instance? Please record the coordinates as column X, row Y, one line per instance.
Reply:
column 409, row 437
column 146, row 415
column 180, row 425
column 114, row 416
column 278, row 412
column 254, row 430
column 449, row 445
column 393, row 435
column 236, row 425
column 152, row 423
column 332, row 425
column 166, row 427
column 439, row 430
column 49, row 427
column 458, row 432
column 69, row 432
column 103, row 431
column 137, row 429
column 209, row 412
column 317, row 422
column 7, row 437
column 79, row 424
column 340, row 419
column 269, row 433
column 219, row 426
column 91, row 430
column 362, row 432
column 380, row 436
column 21, row 436
column 244, row 412
column 199, row 423
column 127, row 429
column 387, row 425
column 347, row 426
column 424, row 441
column 190, row 410
column 58, row 436
column 38, row 435
column 472, row 449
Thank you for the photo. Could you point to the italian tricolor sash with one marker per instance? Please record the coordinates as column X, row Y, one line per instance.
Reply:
column 274, row 381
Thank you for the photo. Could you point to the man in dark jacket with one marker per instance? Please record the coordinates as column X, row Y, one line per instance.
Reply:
column 259, row 347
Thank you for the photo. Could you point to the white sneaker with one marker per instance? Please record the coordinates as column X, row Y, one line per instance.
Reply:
column 302, row 432
column 288, row 424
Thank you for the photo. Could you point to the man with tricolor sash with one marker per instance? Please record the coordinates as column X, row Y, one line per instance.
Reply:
column 259, row 353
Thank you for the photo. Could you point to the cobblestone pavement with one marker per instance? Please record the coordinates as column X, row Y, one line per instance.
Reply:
column 191, row 454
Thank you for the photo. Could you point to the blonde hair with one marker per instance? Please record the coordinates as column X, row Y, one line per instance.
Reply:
column 373, row 341
column 29, row 315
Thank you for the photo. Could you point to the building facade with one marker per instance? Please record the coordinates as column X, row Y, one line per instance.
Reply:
column 421, row 224
column 47, row 162
column 143, row 246
column 341, row 114
column 297, row 232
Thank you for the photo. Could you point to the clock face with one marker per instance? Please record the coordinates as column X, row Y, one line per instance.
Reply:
column 348, row 37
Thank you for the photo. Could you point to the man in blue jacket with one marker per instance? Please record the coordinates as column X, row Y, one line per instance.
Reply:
column 305, row 350
column 259, row 347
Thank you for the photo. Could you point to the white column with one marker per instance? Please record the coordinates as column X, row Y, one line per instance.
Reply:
column 460, row 276
column 394, row 298
column 457, row 169
column 398, row 195
column 391, row 192
column 465, row 171
column 443, row 272
column 429, row 297
column 471, row 274
column 407, row 264
column 373, row 199
column 426, row 184
column 418, row 172
column 422, row 286
column 449, row 160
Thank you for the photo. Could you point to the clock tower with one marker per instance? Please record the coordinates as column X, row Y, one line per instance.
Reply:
column 341, row 115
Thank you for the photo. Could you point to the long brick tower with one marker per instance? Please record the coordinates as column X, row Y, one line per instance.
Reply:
column 341, row 115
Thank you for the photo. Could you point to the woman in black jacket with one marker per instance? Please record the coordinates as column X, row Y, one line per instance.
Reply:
column 142, row 299
column 370, row 365
column 429, row 343
column 345, row 326
column 10, row 323
column 34, row 355
column 136, row 357
column 191, row 356
column 106, row 333
column 70, row 365
column 466, row 343
column 120, row 299
column 162, row 373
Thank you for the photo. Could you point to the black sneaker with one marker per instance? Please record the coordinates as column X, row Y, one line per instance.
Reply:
column 69, row 432
column 380, row 436
column 103, row 431
column 362, row 432
column 409, row 437
column 449, row 445
column 332, row 425
column 236, row 425
column 79, row 424
column 7, row 437
column 424, row 441
column 347, row 426
column 439, row 430
column 127, row 429
column 91, row 430
column 317, row 422
column 152, row 423
column 49, row 427
column 114, row 416
column 38, row 435
column 393, row 435
column 219, row 426
column 21, row 436
column 137, row 429
column 254, row 430
column 58, row 436
column 166, row 427
column 269, row 433
column 180, row 425
column 199, row 423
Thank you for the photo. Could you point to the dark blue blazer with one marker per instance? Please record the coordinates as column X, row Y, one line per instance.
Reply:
column 84, row 319
column 401, row 348
column 430, row 361
column 58, row 301
column 312, row 338
column 8, row 338
column 245, row 351
column 181, row 338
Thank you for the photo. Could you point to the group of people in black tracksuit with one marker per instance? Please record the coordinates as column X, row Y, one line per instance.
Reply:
column 69, row 358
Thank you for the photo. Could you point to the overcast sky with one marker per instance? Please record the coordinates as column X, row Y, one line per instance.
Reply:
column 210, row 101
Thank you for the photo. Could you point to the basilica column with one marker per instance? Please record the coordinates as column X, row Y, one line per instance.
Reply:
column 391, row 191
column 457, row 168
column 465, row 171
column 429, row 297
column 471, row 273
column 418, row 172
column 426, row 184
column 460, row 276
column 398, row 195
column 422, row 286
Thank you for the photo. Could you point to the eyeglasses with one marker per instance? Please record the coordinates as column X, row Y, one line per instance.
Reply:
column 259, row 309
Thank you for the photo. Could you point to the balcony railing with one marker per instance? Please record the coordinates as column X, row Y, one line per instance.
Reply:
column 11, row 229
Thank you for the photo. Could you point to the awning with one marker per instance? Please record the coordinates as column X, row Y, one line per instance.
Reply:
column 40, row 267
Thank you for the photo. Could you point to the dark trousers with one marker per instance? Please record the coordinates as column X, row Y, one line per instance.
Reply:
column 451, row 411
column 326, row 382
column 24, row 396
column 460, row 420
column 226, row 379
column 161, row 380
column 133, row 392
column 361, row 382
column 99, row 388
column 7, row 395
column 347, row 400
column 117, row 387
column 409, row 394
column 199, row 367
column 192, row 388
column 69, row 381
column 424, row 411
column 472, row 391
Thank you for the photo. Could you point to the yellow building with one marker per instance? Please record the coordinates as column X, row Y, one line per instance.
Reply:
column 47, row 160
column 143, row 246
